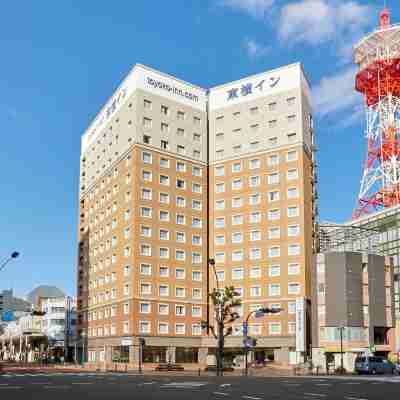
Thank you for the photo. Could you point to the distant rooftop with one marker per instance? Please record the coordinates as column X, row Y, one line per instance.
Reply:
column 44, row 291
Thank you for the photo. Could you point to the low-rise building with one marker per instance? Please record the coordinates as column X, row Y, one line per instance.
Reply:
column 352, row 308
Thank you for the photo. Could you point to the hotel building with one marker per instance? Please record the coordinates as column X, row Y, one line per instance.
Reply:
column 172, row 175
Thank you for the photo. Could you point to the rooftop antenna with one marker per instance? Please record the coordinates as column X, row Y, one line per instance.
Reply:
column 384, row 17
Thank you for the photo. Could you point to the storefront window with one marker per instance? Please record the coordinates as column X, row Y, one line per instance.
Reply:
column 120, row 354
column 186, row 355
column 154, row 354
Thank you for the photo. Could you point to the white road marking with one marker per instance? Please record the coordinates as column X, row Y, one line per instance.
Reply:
column 82, row 383
column 323, row 384
column 251, row 397
column 315, row 394
column 183, row 385
column 225, row 385
column 220, row 394
column 354, row 398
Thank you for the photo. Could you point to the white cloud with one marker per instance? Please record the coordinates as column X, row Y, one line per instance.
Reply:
column 254, row 49
column 321, row 21
column 255, row 8
column 336, row 93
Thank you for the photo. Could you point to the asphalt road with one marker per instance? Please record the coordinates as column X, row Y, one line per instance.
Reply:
column 134, row 387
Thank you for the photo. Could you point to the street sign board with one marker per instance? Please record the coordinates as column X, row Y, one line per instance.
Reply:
column 259, row 314
column 245, row 330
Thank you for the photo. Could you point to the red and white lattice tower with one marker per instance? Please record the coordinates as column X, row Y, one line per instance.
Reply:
column 378, row 79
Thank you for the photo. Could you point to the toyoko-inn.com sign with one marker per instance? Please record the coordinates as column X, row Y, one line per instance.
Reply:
column 172, row 89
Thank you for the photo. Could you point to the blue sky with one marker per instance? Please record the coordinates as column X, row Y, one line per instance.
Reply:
column 61, row 60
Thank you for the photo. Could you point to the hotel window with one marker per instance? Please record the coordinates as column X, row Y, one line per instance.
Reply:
column 164, row 180
column 293, row 230
column 196, row 188
column 273, row 178
column 219, row 136
column 293, row 211
column 179, row 292
column 164, row 252
column 180, row 166
column 180, row 132
column 220, row 170
column 196, row 171
column 290, row 101
column 291, row 118
column 254, row 110
column 196, row 222
column 292, row 174
column 180, row 237
column 292, row 193
column 164, row 144
column 164, row 271
column 147, row 176
column 144, row 326
column 180, row 184
column 196, row 137
column 255, row 254
column 196, row 276
column 273, row 160
column 163, row 328
column 219, row 257
column 237, row 148
column 237, row 219
column 145, row 250
column 147, row 104
column 272, row 124
column 180, row 149
column 292, row 137
column 237, row 274
column 180, row 329
column 237, row 184
column 196, row 121
column 293, row 269
column 127, row 289
column 113, row 241
column 219, row 119
column 164, row 162
column 274, row 251
column 237, row 237
column 254, row 181
column 293, row 288
column 219, row 239
column 125, row 328
column 145, row 231
column 273, row 196
column 274, row 328
column 179, row 273
column 196, row 258
column 146, row 194
column 237, row 255
column 163, row 309
column 145, row 288
column 254, row 145
column 291, row 328
column 220, row 204
column 255, row 235
column 255, row 272
column 274, row 215
column 196, row 311
column 180, row 201
column 255, row 163
column 293, row 249
column 291, row 155
column 237, row 202
column 127, row 251
column 196, row 205
column 180, row 310
column 146, row 157
column 164, row 198
column 255, row 217
column 180, row 115
column 164, row 127
column 220, row 222
column 274, row 270
column 220, row 276
column 127, row 270
column 147, row 123
column 236, row 167
column 180, row 219
column 180, row 255
column 196, row 293
column 274, row 289
column 196, row 240
column 145, row 269
column 239, row 291
column 164, row 234
column 163, row 290
column 274, row 233
column 255, row 291
column 164, row 215
column 272, row 106
column 255, row 199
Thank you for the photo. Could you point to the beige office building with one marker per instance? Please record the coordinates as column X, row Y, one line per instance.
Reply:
column 172, row 175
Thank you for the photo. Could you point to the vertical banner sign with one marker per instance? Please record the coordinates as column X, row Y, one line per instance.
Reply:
column 300, row 325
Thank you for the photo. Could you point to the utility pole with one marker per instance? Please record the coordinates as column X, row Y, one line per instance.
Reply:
column 341, row 328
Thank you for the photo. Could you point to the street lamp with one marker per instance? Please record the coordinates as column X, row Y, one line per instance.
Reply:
column 259, row 313
column 13, row 255
column 83, row 336
column 341, row 329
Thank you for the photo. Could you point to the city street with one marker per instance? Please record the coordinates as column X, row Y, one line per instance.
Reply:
column 130, row 386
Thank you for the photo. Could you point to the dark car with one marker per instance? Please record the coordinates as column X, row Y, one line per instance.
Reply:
column 373, row 365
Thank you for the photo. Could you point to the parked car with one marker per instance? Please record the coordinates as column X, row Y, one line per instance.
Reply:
column 397, row 368
column 374, row 365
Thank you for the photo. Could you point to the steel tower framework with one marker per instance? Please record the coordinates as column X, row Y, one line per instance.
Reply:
column 378, row 79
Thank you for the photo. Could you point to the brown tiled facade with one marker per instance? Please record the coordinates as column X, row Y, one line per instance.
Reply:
column 158, row 198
